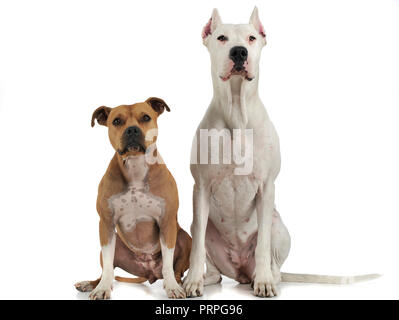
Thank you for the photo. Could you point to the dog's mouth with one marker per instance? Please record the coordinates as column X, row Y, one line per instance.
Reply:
column 237, row 71
column 132, row 147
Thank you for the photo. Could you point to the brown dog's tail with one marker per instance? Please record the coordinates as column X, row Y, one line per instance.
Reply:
column 130, row 280
column 313, row 278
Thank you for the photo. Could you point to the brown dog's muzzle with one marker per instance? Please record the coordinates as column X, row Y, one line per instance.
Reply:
column 132, row 140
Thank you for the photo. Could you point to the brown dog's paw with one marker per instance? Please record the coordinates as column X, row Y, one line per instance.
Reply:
column 173, row 289
column 176, row 292
column 101, row 293
column 85, row 286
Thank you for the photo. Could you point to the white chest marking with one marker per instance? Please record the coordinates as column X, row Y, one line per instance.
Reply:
column 136, row 203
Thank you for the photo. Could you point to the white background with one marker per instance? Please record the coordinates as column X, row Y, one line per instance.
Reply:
column 329, row 80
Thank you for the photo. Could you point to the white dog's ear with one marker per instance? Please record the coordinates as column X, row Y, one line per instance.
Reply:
column 255, row 21
column 212, row 24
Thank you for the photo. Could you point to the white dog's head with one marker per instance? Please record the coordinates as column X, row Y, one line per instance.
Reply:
column 234, row 48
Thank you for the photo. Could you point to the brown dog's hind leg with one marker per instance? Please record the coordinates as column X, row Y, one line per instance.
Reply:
column 126, row 260
column 87, row 286
column 182, row 254
column 131, row 263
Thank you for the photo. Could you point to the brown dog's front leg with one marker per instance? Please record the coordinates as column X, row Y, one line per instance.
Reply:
column 168, row 242
column 107, row 240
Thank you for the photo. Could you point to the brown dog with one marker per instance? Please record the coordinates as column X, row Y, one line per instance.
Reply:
column 137, row 204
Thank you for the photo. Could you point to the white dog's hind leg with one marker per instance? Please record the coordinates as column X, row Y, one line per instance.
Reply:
column 281, row 244
column 212, row 275
column 194, row 282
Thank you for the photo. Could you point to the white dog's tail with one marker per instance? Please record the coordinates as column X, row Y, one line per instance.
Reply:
column 314, row 278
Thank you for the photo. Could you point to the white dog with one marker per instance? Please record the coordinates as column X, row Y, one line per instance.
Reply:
column 236, row 229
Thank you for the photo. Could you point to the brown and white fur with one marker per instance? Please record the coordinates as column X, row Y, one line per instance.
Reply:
column 137, row 204
column 236, row 228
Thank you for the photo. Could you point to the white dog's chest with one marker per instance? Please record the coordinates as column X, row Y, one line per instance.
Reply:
column 234, row 195
column 232, row 205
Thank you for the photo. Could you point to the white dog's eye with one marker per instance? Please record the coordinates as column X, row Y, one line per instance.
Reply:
column 222, row 38
column 252, row 38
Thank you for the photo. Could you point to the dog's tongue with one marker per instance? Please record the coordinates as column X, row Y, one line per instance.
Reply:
column 129, row 148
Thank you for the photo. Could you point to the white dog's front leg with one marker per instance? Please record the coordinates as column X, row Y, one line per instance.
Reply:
column 264, row 284
column 194, row 282
column 103, row 289
column 172, row 288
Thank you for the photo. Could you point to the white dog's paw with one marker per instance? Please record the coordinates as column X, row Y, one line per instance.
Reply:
column 194, row 285
column 265, row 287
column 101, row 292
column 174, row 291
column 211, row 279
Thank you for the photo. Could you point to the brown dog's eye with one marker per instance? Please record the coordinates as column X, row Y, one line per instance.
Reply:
column 117, row 122
column 222, row 38
column 252, row 38
column 146, row 118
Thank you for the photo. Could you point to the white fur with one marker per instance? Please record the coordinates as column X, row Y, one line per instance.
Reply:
column 240, row 205
column 136, row 203
column 172, row 288
column 236, row 105
column 103, row 289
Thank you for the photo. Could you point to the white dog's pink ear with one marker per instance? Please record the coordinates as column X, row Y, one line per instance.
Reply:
column 212, row 24
column 254, row 20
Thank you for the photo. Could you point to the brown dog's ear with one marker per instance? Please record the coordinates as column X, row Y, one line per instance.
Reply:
column 101, row 114
column 157, row 104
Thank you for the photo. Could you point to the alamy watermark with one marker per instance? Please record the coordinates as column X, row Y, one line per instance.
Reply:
column 212, row 146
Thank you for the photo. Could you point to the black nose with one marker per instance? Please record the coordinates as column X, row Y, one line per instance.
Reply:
column 239, row 55
column 133, row 132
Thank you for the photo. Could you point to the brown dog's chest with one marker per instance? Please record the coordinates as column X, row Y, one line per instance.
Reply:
column 137, row 211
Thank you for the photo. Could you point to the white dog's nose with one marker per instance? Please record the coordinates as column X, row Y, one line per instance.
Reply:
column 239, row 55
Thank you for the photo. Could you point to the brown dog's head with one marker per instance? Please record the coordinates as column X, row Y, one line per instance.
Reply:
column 131, row 128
